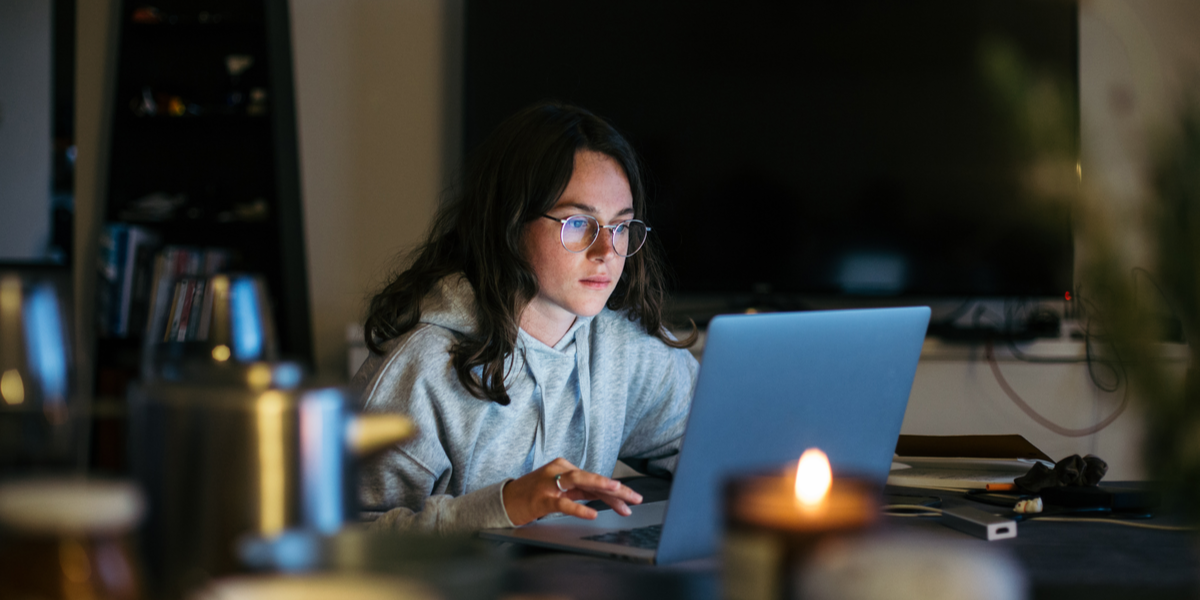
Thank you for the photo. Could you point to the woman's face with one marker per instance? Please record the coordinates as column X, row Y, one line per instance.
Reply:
column 577, row 284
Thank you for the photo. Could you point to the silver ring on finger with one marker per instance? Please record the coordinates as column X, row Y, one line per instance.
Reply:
column 558, row 483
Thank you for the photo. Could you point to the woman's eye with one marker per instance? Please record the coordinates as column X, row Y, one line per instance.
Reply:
column 577, row 223
column 622, row 228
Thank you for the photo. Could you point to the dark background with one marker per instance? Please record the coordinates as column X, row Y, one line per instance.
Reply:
column 782, row 138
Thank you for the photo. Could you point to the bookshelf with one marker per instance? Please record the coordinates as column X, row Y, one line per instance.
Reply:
column 202, row 154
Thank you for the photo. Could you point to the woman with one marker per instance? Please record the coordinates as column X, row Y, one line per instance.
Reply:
column 526, row 339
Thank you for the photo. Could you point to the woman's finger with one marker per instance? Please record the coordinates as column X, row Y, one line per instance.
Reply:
column 623, row 493
column 617, row 505
column 589, row 482
column 567, row 507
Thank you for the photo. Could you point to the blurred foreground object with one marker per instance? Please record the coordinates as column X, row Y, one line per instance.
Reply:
column 221, row 461
column 910, row 568
column 1172, row 405
column 43, row 424
column 69, row 539
column 317, row 587
column 462, row 567
column 1129, row 323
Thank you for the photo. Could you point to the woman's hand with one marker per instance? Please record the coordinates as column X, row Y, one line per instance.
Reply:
column 539, row 493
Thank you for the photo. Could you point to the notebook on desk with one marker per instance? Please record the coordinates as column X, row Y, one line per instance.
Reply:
column 770, row 386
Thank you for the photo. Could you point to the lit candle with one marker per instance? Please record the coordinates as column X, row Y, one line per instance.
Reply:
column 813, row 479
column 775, row 522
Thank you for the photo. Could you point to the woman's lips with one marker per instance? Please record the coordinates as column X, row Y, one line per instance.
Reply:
column 596, row 283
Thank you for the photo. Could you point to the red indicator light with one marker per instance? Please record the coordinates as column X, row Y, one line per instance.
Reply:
column 1067, row 296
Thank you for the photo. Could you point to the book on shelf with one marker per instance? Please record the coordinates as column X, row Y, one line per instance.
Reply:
column 181, row 282
column 126, row 258
column 134, row 267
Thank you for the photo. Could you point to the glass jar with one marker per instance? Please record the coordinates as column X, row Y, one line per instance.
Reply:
column 69, row 539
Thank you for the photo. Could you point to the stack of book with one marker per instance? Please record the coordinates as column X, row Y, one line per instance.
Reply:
column 181, row 284
column 134, row 268
column 190, row 311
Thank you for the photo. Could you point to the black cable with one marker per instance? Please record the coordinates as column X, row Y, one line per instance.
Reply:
column 958, row 311
column 1009, row 320
column 1092, row 361
column 1089, row 355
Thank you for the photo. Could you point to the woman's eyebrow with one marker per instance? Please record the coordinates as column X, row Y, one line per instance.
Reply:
column 592, row 209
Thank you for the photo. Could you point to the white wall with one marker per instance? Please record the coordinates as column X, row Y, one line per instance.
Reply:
column 377, row 93
column 377, row 117
column 25, row 128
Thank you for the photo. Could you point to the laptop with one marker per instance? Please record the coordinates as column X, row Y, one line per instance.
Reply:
column 770, row 386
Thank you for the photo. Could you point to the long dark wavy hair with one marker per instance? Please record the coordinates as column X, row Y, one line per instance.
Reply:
column 516, row 175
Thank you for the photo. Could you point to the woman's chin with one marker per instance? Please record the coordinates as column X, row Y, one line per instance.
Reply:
column 590, row 308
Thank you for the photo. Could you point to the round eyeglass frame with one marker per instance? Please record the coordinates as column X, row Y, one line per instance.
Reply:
column 612, row 229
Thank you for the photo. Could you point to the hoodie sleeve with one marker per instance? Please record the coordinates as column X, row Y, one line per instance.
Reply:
column 652, row 446
column 403, row 488
column 444, row 514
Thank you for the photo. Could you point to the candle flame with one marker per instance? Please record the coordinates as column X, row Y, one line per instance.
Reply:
column 813, row 477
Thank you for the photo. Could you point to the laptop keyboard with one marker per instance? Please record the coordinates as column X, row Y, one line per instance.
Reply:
column 641, row 537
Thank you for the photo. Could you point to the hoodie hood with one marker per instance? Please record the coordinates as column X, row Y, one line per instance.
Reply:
column 451, row 305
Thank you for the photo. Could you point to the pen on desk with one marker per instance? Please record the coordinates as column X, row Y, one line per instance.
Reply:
column 1001, row 487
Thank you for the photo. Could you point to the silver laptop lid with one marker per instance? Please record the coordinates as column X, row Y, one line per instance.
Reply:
column 771, row 386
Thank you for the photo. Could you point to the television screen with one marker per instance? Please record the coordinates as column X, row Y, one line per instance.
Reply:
column 849, row 147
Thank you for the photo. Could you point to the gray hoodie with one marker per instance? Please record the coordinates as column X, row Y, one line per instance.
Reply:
column 607, row 390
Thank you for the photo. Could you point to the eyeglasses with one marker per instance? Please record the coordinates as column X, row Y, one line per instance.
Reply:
column 579, row 232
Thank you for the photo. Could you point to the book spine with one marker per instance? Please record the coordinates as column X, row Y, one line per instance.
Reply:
column 145, row 268
column 121, row 247
column 186, row 311
column 181, row 262
column 195, row 262
column 136, row 241
column 197, row 305
column 112, row 242
column 158, row 293
column 172, row 328
column 205, row 314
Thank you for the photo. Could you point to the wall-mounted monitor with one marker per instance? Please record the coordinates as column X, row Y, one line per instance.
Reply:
column 838, row 148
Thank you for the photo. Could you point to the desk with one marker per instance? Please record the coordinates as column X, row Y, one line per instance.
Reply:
column 1063, row 561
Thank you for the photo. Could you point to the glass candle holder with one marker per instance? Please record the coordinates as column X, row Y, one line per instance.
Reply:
column 770, row 533
column 43, row 422
column 67, row 538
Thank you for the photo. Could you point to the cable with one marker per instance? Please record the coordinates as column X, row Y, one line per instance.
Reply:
column 1091, row 361
column 1089, row 356
column 1043, row 421
column 958, row 311
column 911, row 510
column 1009, row 321
column 1113, row 522
column 917, row 510
column 938, row 488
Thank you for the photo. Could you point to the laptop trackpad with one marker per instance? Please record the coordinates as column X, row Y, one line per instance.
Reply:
column 651, row 513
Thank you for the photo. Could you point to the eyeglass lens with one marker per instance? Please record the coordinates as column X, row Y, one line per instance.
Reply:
column 580, row 232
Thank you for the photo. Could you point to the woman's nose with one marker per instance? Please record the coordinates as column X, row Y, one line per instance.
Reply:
column 602, row 248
